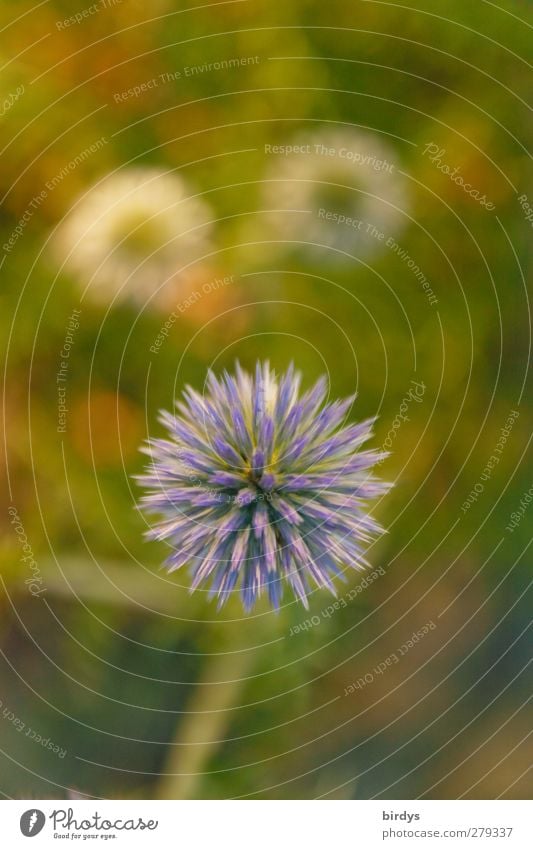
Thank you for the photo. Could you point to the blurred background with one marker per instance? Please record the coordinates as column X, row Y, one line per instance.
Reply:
column 344, row 185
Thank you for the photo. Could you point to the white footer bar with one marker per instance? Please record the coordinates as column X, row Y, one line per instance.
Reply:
column 266, row 824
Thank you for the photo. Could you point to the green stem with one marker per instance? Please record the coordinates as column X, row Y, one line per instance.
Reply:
column 201, row 732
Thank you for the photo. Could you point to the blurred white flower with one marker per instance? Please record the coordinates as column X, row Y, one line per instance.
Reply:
column 132, row 232
column 339, row 188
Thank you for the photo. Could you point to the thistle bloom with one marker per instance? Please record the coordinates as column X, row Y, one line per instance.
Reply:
column 260, row 486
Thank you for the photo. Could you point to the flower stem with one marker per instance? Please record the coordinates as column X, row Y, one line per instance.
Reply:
column 202, row 731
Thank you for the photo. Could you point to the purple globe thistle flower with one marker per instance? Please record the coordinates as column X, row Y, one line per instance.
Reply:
column 259, row 486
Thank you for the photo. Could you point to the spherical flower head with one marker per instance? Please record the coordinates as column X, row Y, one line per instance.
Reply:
column 259, row 486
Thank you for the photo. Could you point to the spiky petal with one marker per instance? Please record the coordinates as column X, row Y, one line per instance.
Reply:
column 258, row 487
